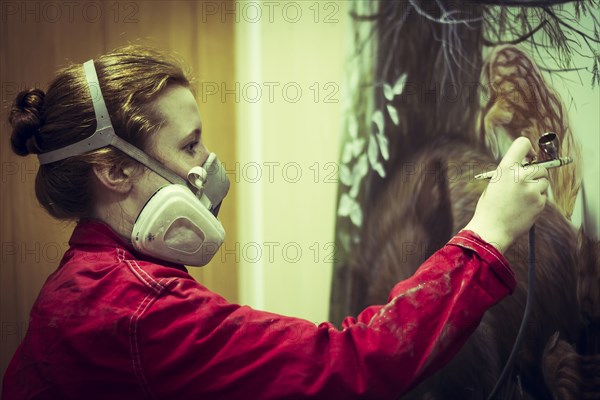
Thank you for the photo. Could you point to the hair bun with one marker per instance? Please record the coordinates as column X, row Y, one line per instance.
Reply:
column 26, row 119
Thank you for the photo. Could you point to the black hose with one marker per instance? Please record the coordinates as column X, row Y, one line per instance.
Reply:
column 526, row 314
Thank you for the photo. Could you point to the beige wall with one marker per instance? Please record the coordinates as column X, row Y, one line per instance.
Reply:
column 288, row 152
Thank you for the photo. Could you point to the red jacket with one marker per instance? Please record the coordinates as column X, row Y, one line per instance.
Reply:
column 110, row 325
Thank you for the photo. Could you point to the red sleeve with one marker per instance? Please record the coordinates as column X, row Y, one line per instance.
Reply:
column 193, row 344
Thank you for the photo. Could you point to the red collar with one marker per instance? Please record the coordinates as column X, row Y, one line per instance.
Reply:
column 97, row 233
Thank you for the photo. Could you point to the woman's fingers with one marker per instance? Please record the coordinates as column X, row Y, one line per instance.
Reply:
column 543, row 184
column 535, row 171
column 520, row 148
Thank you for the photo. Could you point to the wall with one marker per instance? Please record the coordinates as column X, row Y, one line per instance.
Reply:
column 290, row 68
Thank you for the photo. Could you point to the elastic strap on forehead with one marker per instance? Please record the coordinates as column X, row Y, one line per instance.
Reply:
column 105, row 135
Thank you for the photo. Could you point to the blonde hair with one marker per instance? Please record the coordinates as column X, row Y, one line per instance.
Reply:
column 131, row 78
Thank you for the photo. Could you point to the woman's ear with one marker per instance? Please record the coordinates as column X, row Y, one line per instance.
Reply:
column 115, row 177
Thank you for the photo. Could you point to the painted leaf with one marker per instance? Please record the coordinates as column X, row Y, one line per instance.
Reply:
column 356, row 216
column 384, row 146
column 344, row 239
column 357, row 146
column 359, row 170
column 361, row 167
column 353, row 127
column 393, row 114
column 355, row 187
column 350, row 207
column 347, row 153
column 345, row 175
column 372, row 150
column 388, row 92
column 345, row 206
column 379, row 168
column 399, row 85
column 377, row 118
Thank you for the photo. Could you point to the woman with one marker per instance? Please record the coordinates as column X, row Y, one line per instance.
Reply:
column 122, row 318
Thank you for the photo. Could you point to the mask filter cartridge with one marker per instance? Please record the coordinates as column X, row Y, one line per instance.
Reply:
column 175, row 226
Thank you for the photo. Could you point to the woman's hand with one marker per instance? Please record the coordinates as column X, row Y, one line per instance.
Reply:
column 513, row 199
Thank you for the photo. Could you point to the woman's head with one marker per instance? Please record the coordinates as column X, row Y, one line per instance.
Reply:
column 132, row 80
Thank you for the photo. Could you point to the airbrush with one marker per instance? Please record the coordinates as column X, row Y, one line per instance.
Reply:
column 548, row 156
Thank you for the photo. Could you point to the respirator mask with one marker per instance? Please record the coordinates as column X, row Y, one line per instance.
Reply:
column 179, row 222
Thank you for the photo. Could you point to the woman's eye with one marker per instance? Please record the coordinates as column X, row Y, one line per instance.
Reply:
column 191, row 148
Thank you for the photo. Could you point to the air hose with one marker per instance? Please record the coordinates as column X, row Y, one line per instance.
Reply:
column 526, row 315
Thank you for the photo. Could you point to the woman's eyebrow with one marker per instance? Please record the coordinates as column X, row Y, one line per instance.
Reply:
column 195, row 134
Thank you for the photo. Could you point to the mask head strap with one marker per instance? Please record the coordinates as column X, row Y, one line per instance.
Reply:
column 105, row 135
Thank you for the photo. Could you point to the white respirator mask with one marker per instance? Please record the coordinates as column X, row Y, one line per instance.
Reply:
column 179, row 222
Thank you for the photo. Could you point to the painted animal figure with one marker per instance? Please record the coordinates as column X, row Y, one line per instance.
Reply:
column 573, row 372
column 430, row 198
